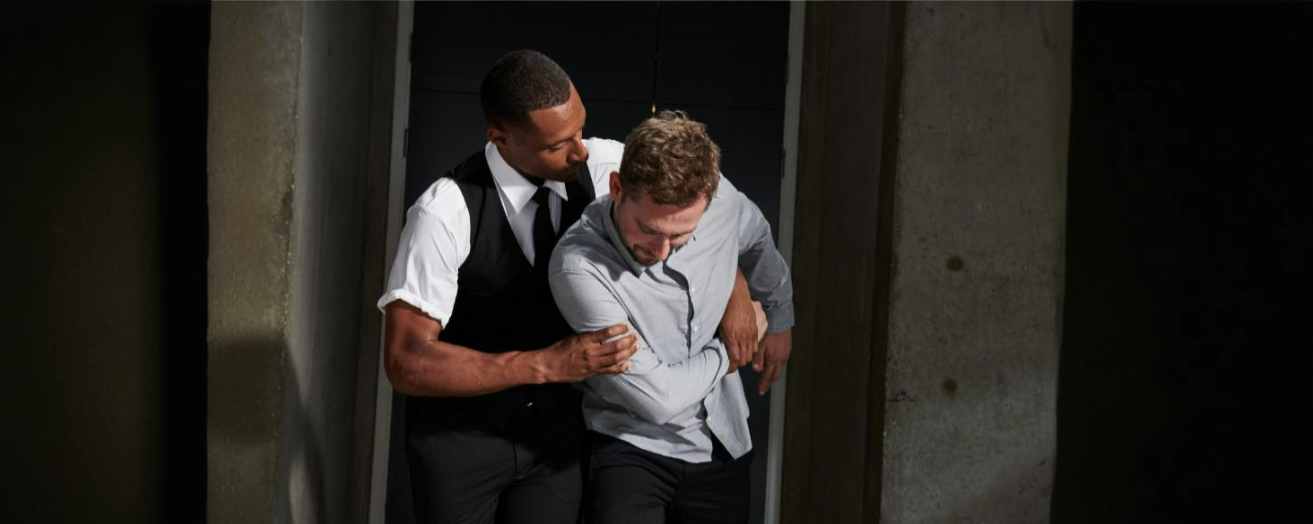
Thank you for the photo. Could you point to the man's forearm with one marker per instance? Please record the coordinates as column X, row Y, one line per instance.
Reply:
column 764, row 268
column 435, row 368
column 657, row 391
column 653, row 389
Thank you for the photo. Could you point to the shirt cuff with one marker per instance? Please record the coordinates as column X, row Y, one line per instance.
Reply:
column 779, row 318
column 436, row 313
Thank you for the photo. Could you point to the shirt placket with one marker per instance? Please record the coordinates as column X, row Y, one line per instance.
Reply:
column 690, row 327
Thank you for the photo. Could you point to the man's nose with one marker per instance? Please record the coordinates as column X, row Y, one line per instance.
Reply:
column 578, row 151
column 663, row 249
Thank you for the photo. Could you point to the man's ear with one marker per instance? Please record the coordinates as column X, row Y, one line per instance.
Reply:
column 615, row 185
column 497, row 135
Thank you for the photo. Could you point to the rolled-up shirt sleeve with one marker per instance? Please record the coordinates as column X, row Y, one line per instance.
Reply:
column 762, row 264
column 433, row 245
column 653, row 389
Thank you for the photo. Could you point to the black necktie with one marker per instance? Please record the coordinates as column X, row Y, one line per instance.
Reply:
column 544, row 235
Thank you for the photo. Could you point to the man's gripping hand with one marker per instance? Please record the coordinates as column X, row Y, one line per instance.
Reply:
column 770, row 361
column 742, row 326
column 578, row 357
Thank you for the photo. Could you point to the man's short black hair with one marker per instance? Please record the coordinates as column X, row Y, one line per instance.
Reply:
column 519, row 82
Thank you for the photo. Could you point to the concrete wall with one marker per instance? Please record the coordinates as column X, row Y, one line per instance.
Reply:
column 255, row 58
column 290, row 121
column 327, row 226
column 975, row 293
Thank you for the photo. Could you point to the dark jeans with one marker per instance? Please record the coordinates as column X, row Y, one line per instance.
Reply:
column 630, row 485
column 467, row 475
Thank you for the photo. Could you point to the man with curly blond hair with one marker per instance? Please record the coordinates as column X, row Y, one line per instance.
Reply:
column 670, row 440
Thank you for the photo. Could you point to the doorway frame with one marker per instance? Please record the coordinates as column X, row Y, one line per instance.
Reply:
column 378, row 486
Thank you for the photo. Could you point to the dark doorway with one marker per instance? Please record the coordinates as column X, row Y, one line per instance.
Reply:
column 1184, row 390
column 105, row 221
column 725, row 64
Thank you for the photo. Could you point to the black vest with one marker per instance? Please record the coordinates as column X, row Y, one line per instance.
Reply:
column 502, row 305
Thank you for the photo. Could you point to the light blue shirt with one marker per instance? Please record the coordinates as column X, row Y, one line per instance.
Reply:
column 676, row 393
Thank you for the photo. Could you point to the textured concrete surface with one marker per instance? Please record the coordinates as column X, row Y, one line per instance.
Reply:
column 254, row 73
column 326, row 272
column 976, row 285
column 289, row 145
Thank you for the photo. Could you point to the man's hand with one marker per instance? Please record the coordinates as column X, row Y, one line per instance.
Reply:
column 762, row 323
column 761, row 332
column 770, row 361
column 739, row 328
column 581, row 356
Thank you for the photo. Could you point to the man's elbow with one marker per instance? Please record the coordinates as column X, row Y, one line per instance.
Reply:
column 402, row 372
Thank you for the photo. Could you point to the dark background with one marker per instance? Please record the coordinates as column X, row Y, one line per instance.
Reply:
column 105, row 241
column 1184, row 393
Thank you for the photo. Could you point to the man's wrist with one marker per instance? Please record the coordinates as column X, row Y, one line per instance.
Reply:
column 779, row 317
column 533, row 367
column 725, row 366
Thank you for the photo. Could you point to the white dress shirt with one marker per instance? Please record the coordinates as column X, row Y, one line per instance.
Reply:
column 436, row 238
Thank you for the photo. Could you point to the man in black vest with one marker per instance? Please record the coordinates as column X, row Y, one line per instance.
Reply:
column 494, row 427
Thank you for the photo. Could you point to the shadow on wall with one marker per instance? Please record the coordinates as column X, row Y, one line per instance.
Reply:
column 248, row 416
column 262, row 416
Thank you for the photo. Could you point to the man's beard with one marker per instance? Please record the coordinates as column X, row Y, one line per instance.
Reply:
column 642, row 256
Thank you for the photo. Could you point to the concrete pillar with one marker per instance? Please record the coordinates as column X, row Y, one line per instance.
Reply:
column 326, row 307
column 255, row 52
column 975, row 291
column 292, row 116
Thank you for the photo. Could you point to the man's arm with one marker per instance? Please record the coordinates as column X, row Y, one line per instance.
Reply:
column 769, row 282
column 653, row 389
column 739, row 327
column 421, row 292
column 419, row 364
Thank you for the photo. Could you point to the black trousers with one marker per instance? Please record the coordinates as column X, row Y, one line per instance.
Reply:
column 474, row 476
column 630, row 485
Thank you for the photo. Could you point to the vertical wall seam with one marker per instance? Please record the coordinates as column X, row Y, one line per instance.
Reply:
column 887, row 207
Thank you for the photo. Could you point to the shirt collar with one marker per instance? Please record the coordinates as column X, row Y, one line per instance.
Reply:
column 516, row 188
column 616, row 240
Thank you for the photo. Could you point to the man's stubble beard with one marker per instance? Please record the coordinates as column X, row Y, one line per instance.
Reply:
column 639, row 256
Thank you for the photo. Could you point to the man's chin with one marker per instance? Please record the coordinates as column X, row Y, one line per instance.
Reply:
column 644, row 260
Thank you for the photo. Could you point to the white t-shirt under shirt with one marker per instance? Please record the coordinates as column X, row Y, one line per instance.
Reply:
column 436, row 238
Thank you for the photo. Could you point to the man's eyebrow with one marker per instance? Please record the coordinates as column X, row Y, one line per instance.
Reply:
column 651, row 231
column 560, row 142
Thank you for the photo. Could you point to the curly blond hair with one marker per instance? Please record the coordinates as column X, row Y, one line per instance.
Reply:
column 671, row 158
